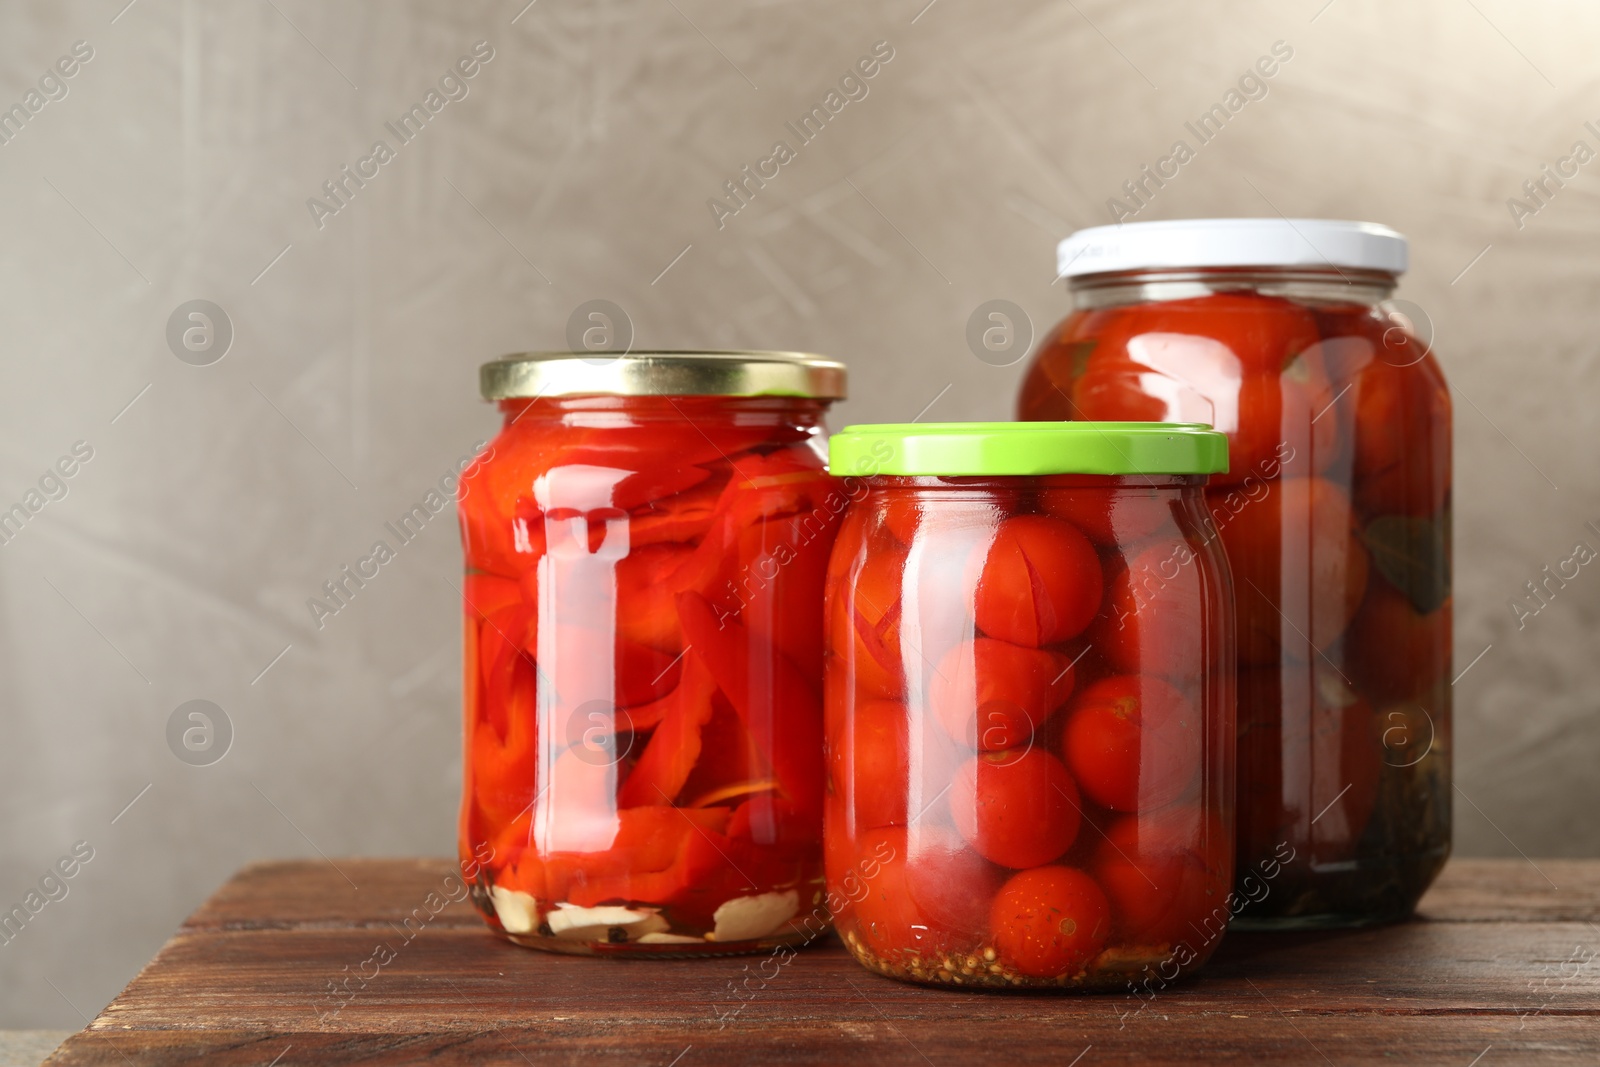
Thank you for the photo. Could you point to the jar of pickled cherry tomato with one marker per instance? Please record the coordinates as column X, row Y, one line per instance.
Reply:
column 1029, row 704
column 1335, row 513
column 645, row 547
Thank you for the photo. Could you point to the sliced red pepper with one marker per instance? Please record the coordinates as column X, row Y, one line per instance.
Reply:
column 649, row 615
column 730, row 765
column 485, row 594
column 778, row 705
column 644, row 674
column 761, row 487
column 778, row 559
column 650, row 861
column 723, row 866
column 656, row 483
column 684, row 517
column 503, row 750
column 506, row 637
column 674, row 747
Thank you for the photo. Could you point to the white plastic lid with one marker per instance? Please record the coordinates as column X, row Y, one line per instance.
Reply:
column 1191, row 243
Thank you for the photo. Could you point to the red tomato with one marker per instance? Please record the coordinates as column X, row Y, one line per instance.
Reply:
column 1402, row 439
column 1040, row 582
column 1047, row 385
column 1165, row 873
column 1019, row 809
column 1265, row 333
column 1310, row 758
column 901, row 513
column 838, row 843
column 991, row 695
column 1133, row 742
column 1244, row 363
column 1299, row 569
column 864, row 625
column 951, row 885
column 1117, row 515
column 871, row 770
column 885, row 917
column 1391, row 652
column 1153, row 620
column 1050, row 922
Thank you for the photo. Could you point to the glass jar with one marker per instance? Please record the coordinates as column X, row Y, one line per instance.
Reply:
column 1335, row 513
column 1029, row 704
column 645, row 546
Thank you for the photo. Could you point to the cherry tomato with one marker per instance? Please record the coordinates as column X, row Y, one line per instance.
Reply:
column 1299, row 570
column 1265, row 333
column 863, row 625
column 991, row 695
column 1153, row 620
column 1132, row 742
column 1402, row 439
column 1050, row 922
column 1165, row 873
column 1123, row 515
column 1310, row 759
column 901, row 514
column 873, row 767
column 1392, row 652
column 886, row 919
column 1018, row 808
column 1246, row 364
column 1040, row 582
column 950, row 884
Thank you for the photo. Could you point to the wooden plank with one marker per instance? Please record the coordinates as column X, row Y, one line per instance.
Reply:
column 300, row 892
column 249, row 975
column 346, row 892
column 450, row 978
column 1236, row 1037
column 1477, row 890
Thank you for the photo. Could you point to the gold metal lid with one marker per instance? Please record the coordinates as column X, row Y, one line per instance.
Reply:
column 539, row 374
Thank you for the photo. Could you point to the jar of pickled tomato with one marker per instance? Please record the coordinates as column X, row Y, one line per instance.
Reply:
column 645, row 544
column 1335, row 513
column 1029, row 704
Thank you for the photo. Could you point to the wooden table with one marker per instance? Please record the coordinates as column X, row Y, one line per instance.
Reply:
column 1498, row 969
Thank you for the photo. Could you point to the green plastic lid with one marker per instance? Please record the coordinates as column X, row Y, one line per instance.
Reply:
column 976, row 449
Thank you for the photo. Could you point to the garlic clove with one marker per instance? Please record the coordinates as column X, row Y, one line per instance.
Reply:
column 517, row 911
column 595, row 924
column 749, row 918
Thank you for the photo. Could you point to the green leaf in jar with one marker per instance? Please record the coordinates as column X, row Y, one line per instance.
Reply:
column 1079, row 352
column 1413, row 555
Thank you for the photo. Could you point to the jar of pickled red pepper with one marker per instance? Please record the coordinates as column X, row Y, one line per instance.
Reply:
column 645, row 546
column 1029, row 704
column 1335, row 513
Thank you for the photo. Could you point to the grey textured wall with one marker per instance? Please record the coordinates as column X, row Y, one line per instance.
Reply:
column 578, row 166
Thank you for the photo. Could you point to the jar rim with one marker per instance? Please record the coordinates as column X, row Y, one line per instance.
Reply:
column 967, row 449
column 666, row 372
column 1248, row 242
